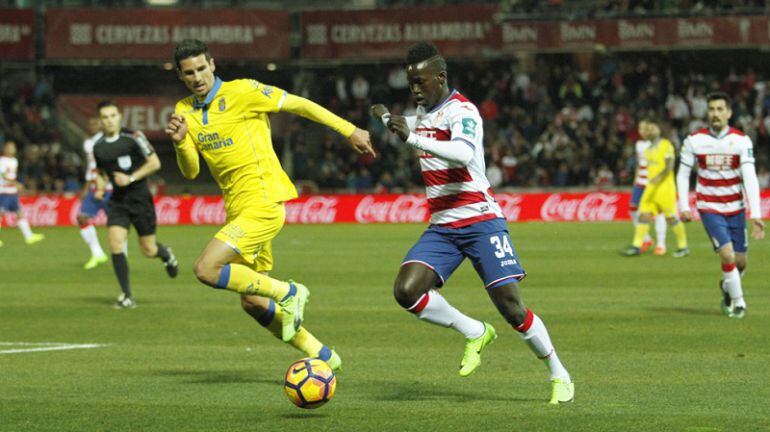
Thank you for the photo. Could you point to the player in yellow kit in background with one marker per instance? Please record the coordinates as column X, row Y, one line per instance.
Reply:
column 660, row 194
column 227, row 123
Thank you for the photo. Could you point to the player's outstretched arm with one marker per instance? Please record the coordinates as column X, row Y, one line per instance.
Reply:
column 359, row 138
column 186, row 154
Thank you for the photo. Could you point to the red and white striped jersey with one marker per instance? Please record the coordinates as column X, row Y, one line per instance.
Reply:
column 719, row 159
column 9, row 168
column 641, row 163
column 458, row 195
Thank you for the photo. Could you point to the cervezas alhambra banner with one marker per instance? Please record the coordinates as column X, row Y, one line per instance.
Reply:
column 146, row 34
column 388, row 33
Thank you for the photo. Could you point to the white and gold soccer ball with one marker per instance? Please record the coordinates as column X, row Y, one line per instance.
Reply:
column 309, row 383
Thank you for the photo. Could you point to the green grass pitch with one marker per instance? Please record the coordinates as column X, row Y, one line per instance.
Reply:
column 643, row 338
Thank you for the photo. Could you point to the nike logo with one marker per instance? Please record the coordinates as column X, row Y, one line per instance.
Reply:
column 298, row 370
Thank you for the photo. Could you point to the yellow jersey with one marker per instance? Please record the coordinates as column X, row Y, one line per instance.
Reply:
column 656, row 155
column 231, row 129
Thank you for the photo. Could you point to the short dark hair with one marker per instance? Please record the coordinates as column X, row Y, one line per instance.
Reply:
column 422, row 51
column 105, row 103
column 719, row 96
column 190, row 48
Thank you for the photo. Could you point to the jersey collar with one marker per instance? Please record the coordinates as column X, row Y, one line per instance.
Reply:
column 720, row 134
column 438, row 107
column 209, row 97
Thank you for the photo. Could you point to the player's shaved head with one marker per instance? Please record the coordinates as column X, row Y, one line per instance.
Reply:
column 425, row 55
column 426, row 72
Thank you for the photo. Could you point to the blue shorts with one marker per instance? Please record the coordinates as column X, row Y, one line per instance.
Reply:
column 91, row 206
column 636, row 196
column 726, row 229
column 9, row 203
column 487, row 244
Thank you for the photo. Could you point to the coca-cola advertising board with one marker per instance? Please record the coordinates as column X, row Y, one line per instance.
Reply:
column 17, row 36
column 361, row 209
column 148, row 114
column 151, row 34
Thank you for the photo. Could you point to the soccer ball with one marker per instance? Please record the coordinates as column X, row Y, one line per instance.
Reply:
column 309, row 383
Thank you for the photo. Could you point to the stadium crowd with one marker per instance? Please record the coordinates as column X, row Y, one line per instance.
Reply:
column 28, row 117
column 556, row 125
column 552, row 123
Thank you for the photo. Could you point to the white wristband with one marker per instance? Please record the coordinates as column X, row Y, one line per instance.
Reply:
column 385, row 119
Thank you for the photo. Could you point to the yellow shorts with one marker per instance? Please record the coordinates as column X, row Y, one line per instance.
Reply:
column 658, row 200
column 251, row 233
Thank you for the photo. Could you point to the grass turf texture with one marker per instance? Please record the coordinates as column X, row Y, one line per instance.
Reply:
column 643, row 337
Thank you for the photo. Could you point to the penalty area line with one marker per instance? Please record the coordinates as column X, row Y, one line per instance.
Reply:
column 48, row 347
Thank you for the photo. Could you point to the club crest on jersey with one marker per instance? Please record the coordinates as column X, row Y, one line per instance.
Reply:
column 124, row 162
column 469, row 126
column 222, row 105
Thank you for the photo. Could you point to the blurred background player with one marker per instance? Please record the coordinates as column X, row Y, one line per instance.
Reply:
column 226, row 122
column 90, row 206
column 659, row 196
column 725, row 160
column 9, row 193
column 466, row 221
column 640, row 181
column 125, row 158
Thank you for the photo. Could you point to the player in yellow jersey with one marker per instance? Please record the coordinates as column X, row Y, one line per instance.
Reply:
column 227, row 123
column 660, row 194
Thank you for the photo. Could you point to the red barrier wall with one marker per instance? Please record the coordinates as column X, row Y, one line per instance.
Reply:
column 322, row 209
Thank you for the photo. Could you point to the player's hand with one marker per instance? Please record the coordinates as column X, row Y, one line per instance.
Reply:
column 398, row 126
column 98, row 195
column 361, row 142
column 176, row 128
column 121, row 179
column 686, row 216
column 378, row 110
column 757, row 229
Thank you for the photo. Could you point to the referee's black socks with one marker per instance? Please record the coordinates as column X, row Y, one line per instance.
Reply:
column 163, row 252
column 120, row 265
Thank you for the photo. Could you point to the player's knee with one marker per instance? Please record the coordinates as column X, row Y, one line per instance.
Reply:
column 83, row 219
column 149, row 251
column 406, row 292
column 205, row 272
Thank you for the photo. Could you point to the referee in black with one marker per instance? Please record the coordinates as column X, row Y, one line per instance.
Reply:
column 125, row 158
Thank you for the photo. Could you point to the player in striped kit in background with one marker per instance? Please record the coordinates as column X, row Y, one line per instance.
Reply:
column 9, row 193
column 725, row 161
column 90, row 206
column 466, row 221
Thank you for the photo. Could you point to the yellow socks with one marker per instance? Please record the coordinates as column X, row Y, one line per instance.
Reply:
column 242, row 279
column 640, row 232
column 303, row 340
column 680, row 234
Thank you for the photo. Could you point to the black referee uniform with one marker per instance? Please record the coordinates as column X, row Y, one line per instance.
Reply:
column 131, row 204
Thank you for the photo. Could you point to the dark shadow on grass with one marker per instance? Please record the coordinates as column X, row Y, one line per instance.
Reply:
column 304, row 415
column 685, row 310
column 218, row 377
column 403, row 391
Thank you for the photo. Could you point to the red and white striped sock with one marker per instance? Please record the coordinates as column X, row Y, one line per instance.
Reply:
column 732, row 284
column 535, row 335
column 433, row 308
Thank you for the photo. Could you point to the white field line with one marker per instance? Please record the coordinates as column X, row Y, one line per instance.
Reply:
column 46, row 346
